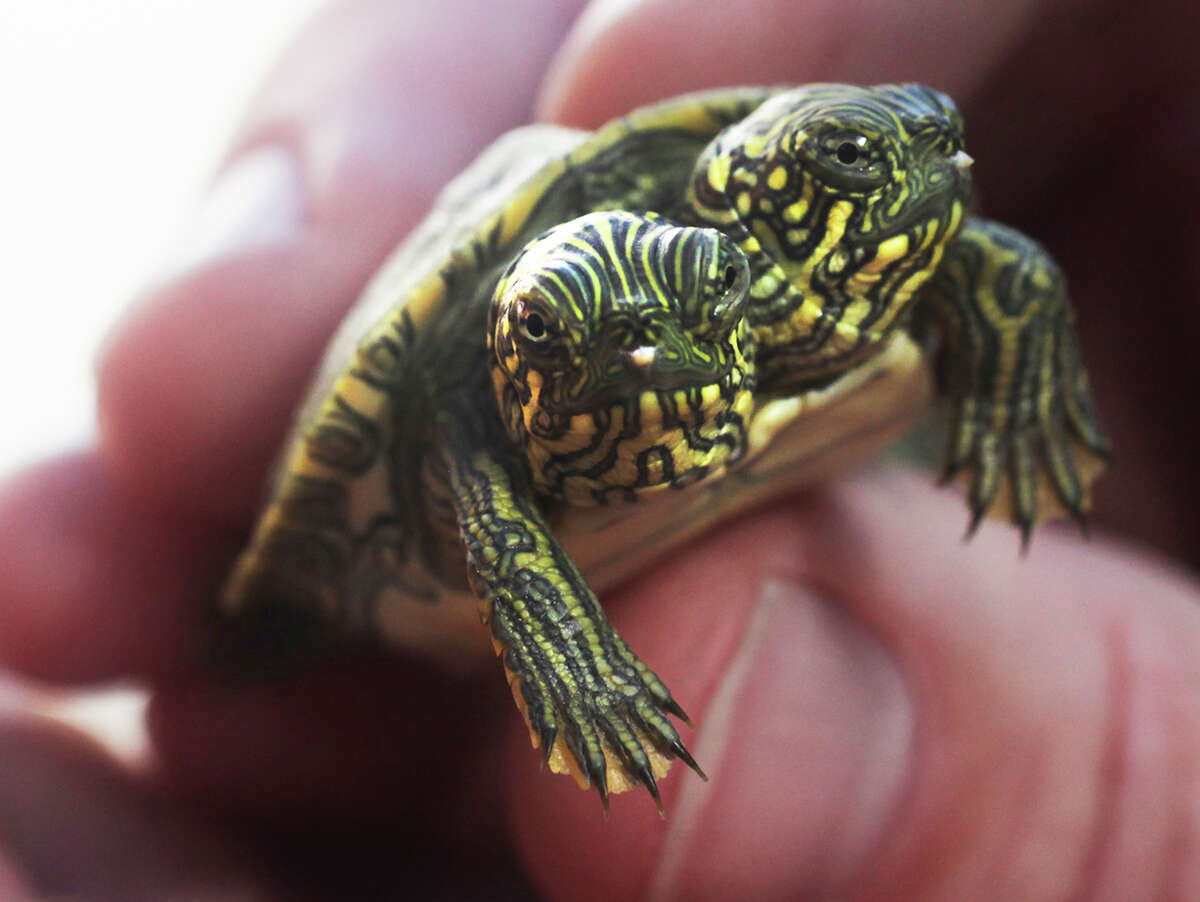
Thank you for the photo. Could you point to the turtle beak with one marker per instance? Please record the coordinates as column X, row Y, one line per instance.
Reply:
column 962, row 160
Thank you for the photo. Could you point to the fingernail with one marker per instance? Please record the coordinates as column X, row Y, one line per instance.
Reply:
column 256, row 202
column 806, row 743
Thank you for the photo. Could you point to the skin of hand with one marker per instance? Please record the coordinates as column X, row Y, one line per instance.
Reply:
column 884, row 712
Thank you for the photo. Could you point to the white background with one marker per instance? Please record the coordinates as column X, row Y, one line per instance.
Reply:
column 113, row 114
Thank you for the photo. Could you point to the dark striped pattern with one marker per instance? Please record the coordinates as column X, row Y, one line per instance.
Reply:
column 638, row 376
column 1023, row 423
column 584, row 693
column 308, row 548
column 836, row 249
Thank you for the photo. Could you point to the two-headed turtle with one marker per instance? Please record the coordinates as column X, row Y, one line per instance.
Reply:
column 714, row 298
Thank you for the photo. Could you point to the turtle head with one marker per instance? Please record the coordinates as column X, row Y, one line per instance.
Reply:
column 852, row 192
column 616, row 334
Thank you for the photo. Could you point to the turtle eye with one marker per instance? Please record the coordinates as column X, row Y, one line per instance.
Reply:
column 534, row 324
column 722, row 302
column 847, row 153
column 848, row 160
column 849, row 150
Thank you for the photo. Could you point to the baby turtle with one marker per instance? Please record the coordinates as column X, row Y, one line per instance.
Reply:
column 733, row 293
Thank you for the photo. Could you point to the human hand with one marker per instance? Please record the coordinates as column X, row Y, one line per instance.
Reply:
column 884, row 712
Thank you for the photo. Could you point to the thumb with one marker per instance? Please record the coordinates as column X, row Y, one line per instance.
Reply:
column 884, row 713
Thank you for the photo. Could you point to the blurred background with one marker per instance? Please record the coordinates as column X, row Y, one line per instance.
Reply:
column 115, row 115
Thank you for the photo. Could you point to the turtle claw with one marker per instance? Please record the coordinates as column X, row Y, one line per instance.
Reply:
column 652, row 787
column 1026, row 537
column 1081, row 524
column 1026, row 473
column 681, row 752
column 973, row 524
column 672, row 707
column 612, row 734
column 636, row 742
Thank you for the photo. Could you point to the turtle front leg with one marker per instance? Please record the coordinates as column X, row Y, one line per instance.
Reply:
column 1024, row 433
column 592, row 706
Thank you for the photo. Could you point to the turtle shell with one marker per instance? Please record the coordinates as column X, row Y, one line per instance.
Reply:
column 349, row 542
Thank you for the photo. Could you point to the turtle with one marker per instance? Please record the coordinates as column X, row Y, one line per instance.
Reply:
column 599, row 343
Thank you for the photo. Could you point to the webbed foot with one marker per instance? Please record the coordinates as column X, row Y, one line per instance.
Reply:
column 592, row 707
column 1024, row 435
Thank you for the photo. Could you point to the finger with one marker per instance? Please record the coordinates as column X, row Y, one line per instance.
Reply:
column 881, row 710
column 355, row 743
column 622, row 55
column 72, row 823
column 96, row 586
column 375, row 107
column 1058, row 698
column 997, row 62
